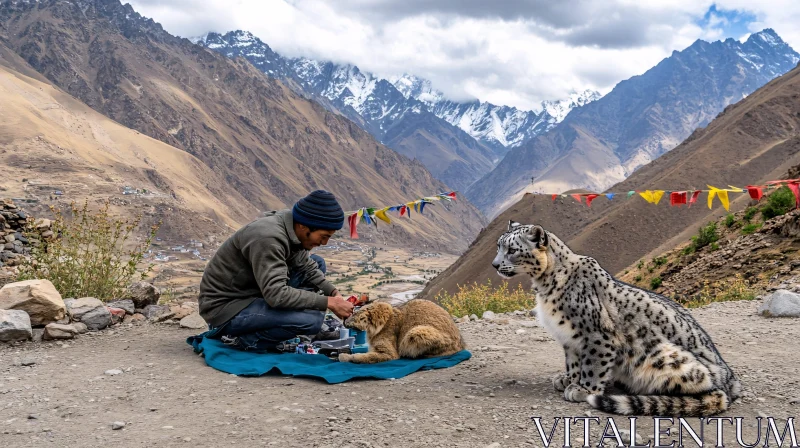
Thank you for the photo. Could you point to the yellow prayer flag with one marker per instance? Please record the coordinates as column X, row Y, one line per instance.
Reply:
column 360, row 213
column 381, row 214
column 723, row 197
column 657, row 196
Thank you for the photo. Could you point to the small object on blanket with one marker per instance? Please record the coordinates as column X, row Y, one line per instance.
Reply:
column 238, row 362
column 358, row 301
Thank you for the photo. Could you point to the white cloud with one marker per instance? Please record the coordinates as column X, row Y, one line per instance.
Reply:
column 517, row 52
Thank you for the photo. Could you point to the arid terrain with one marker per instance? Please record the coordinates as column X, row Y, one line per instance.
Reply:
column 167, row 396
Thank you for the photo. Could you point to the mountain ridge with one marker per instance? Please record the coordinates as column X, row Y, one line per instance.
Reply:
column 642, row 118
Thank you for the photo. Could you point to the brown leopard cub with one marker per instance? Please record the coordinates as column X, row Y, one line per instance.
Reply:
column 418, row 329
column 614, row 333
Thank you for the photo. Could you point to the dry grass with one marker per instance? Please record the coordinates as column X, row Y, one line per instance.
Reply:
column 477, row 298
column 729, row 289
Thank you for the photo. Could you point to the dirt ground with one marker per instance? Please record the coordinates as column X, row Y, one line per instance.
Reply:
column 167, row 396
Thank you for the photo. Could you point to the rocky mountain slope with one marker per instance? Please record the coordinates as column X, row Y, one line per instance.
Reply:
column 54, row 148
column 642, row 118
column 457, row 142
column 264, row 141
column 753, row 141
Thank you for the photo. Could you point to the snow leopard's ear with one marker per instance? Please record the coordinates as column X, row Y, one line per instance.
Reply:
column 512, row 224
column 538, row 236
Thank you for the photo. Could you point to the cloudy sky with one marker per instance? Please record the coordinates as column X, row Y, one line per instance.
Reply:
column 512, row 52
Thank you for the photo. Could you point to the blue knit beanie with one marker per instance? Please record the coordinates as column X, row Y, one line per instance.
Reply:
column 319, row 210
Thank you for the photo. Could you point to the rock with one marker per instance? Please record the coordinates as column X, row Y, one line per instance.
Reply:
column 47, row 234
column 27, row 362
column 38, row 298
column 193, row 321
column 112, row 372
column 38, row 334
column 80, row 327
column 58, row 331
column 138, row 319
column 157, row 312
column 142, row 294
column 519, row 331
column 473, row 317
column 90, row 311
column 42, row 223
column 117, row 425
column 532, row 312
column 463, row 320
column 126, row 305
column 781, row 303
column 489, row 315
column 10, row 238
column 15, row 325
column 117, row 314
column 180, row 311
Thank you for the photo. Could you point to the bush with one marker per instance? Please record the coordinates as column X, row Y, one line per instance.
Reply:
column 749, row 213
column 730, row 220
column 725, row 290
column 655, row 282
column 475, row 299
column 750, row 228
column 638, row 278
column 713, row 247
column 87, row 256
column 660, row 261
column 705, row 236
column 778, row 203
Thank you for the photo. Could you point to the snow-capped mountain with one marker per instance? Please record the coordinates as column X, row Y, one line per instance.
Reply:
column 642, row 118
column 502, row 127
column 458, row 142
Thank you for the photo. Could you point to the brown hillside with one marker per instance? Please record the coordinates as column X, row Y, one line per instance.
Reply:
column 50, row 141
column 263, row 140
column 753, row 141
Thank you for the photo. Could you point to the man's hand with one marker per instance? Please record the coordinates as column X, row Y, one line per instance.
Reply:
column 340, row 307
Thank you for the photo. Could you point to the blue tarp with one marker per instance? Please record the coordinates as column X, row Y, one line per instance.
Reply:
column 231, row 360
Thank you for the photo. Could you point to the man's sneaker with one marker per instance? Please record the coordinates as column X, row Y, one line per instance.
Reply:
column 230, row 340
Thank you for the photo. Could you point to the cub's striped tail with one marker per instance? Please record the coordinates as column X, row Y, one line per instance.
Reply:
column 710, row 403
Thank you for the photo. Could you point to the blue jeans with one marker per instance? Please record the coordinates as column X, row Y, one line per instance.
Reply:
column 260, row 327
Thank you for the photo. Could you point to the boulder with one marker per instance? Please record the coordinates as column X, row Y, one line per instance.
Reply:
column 90, row 311
column 781, row 303
column 126, row 305
column 181, row 311
column 80, row 327
column 488, row 315
column 142, row 294
column 58, row 331
column 38, row 298
column 117, row 314
column 157, row 312
column 193, row 321
column 15, row 325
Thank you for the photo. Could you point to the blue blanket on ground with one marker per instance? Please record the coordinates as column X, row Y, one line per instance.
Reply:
column 231, row 360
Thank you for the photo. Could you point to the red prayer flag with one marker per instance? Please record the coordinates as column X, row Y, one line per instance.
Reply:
column 677, row 198
column 795, row 187
column 755, row 192
column 353, row 221
column 695, row 195
column 590, row 198
column 402, row 210
column 554, row 197
column 452, row 195
column 577, row 197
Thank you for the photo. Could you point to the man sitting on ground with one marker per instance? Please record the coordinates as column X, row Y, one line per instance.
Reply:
column 263, row 287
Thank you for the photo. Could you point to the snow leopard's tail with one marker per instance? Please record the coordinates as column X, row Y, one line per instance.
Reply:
column 710, row 403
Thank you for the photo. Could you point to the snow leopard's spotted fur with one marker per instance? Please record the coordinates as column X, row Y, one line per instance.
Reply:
column 614, row 333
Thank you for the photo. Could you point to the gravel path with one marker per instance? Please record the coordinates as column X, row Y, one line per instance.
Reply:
column 71, row 394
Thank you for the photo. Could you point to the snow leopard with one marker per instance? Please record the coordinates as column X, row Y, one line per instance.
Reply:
column 617, row 335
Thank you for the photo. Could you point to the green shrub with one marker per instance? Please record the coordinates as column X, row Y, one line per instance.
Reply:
column 749, row 213
column 475, row 299
column 713, row 247
column 660, row 261
column 706, row 235
column 750, row 228
column 88, row 255
column 730, row 220
column 638, row 278
column 655, row 282
column 778, row 203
